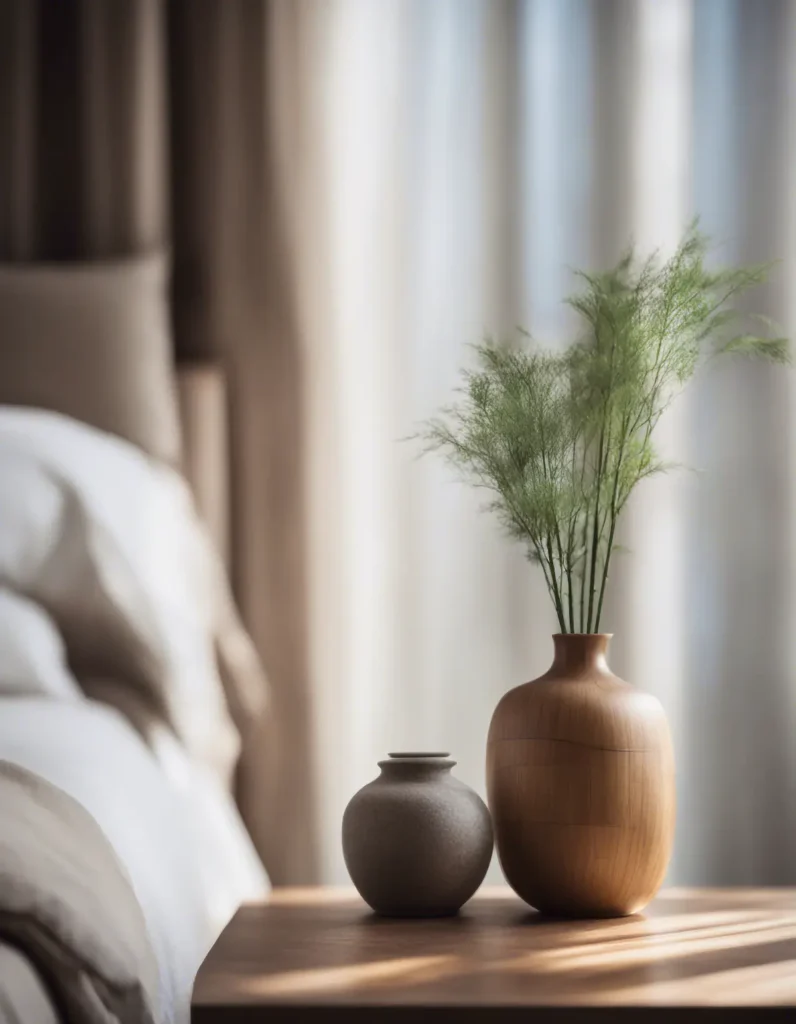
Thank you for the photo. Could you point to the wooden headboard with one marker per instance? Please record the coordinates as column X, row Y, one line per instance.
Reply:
column 203, row 414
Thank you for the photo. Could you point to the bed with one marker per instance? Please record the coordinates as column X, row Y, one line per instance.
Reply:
column 127, row 682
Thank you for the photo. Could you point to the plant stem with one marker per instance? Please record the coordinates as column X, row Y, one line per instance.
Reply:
column 570, row 594
column 605, row 573
column 613, row 515
column 557, row 577
column 585, row 541
column 549, row 578
column 551, row 589
column 556, row 592
column 602, row 460
column 583, row 570
column 571, row 539
column 564, row 573
column 595, row 538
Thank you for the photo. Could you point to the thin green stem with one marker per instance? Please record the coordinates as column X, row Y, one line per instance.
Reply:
column 557, row 576
column 606, row 563
column 584, row 570
column 570, row 585
column 573, row 519
column 584, row 543
column 602, row 462
column 549, row 580
column 596, row 528
column 556, row 592
column 563, row 564
column 614, row 513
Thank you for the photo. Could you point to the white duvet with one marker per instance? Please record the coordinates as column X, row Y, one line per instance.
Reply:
column 106, row 543
column 106, row 586
column 185, row 852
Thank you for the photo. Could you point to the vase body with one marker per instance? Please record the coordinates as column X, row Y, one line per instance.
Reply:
column 580, row 781
column 417, row 842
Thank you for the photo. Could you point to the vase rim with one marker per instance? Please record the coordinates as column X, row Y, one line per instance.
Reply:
column 414, row 754
column 411, row 761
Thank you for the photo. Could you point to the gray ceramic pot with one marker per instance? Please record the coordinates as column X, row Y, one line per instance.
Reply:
column 417, row 842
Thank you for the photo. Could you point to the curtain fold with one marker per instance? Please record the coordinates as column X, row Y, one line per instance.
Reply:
column 231, row 107
column 740, row 515
column 83, row 125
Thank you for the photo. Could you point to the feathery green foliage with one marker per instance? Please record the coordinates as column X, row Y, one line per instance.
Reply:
column 561, row 439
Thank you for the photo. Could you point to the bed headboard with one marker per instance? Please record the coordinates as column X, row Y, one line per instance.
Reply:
column 203, row 414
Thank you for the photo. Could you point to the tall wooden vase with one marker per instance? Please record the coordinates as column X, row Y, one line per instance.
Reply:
column 580, row 778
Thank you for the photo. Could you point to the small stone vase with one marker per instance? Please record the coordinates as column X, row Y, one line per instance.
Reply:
column 416, row 841
column 580, row 778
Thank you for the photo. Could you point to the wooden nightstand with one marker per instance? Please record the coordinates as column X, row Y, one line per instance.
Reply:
column 312, row 955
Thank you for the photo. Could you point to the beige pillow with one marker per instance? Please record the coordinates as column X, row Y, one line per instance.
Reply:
column 93, row 341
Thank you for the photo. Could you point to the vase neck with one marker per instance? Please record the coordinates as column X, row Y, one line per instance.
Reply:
column 415, row 766
column 580, row 652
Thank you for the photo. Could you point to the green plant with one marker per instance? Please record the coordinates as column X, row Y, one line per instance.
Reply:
column 562, row 439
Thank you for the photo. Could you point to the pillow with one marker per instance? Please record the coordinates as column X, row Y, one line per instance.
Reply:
column 32, row 652
column 109, row 543
column 93, row 341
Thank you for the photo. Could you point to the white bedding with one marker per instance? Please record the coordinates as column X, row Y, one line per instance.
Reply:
column 33, row 651
column 106, row 586
column 186, row 854
column 67, row 904
column 107, row 542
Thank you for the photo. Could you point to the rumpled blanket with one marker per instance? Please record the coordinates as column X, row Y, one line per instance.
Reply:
column 66, row 903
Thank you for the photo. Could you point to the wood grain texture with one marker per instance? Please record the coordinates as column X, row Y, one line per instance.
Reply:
column 320, row 955
column 580, row 778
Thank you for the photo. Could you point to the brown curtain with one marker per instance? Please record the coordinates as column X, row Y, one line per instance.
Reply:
column 233, row 299
column 82, row 129
column 132, row 124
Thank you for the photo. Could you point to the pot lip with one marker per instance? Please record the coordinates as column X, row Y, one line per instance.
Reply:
column 415, row 755
column 417, row 759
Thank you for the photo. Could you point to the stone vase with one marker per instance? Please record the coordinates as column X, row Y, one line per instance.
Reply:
column 417, row 842
column 580, row 782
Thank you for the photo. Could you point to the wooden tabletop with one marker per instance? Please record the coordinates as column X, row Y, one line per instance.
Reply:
column 312, row 955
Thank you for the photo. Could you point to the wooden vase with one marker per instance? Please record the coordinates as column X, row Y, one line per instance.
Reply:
column 580, row 780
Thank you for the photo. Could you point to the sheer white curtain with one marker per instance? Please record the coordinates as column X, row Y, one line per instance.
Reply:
column 456, row 157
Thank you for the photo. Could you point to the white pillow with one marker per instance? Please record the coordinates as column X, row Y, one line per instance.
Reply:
column 108, row 542
column 32, row 653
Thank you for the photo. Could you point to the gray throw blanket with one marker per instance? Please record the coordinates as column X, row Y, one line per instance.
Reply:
column 66, row 902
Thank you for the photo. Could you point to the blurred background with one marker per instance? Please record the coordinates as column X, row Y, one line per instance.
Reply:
column 352, row 192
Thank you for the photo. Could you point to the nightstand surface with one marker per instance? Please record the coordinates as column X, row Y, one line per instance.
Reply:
column 319, row 955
